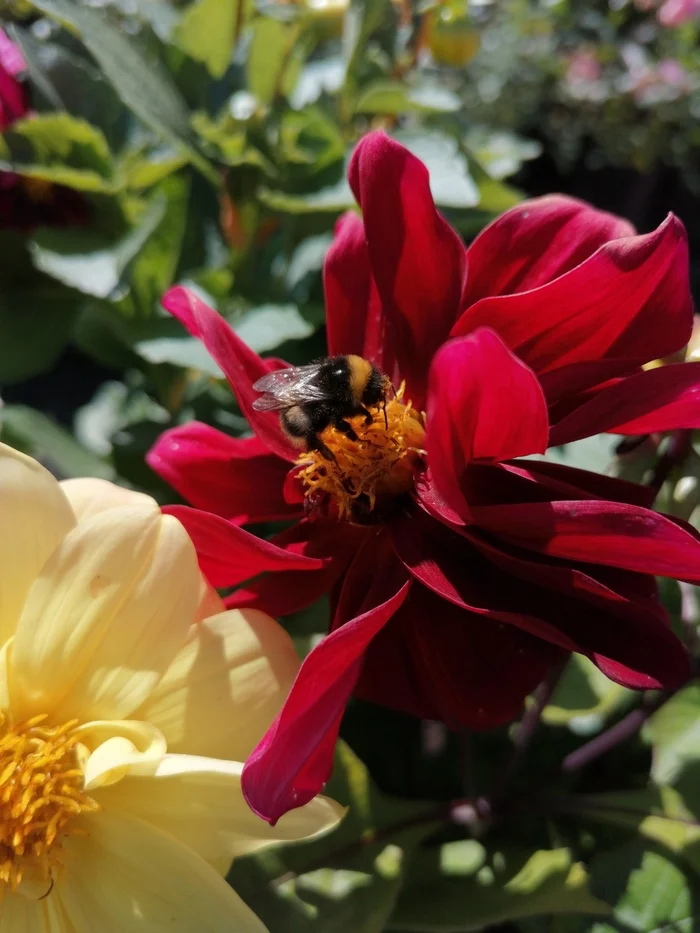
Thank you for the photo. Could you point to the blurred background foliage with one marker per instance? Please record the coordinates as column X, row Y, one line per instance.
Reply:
column 206, row 143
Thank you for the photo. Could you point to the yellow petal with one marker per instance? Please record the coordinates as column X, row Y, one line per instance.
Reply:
column 19, row 914
column 106, row 617
column 225, row 687
column 111, row 750
column 129, row 876
column 210, row 603
column 35, row 517
column 90, row 496
column 199, row 801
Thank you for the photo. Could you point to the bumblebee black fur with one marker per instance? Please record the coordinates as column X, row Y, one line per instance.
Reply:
column 325, row 393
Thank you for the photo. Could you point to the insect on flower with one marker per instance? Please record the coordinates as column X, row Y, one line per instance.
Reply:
column 327, row 392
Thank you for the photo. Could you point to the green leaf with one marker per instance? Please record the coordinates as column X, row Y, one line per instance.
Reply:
column 178, row 351
column 208, row 32
column 59, row 148
column 141, row 169
column 674, row 733
column 40, row 437
column 453, row 892
column 35, row 323
column 451, row 183
column 394, row 97
column 584, row 698
column 268, row 56
column 362, row 874
column 591, row 453
column 145, row 87
column 648, row 890
column 267, row 326
column 501, row 153
column 75, row 259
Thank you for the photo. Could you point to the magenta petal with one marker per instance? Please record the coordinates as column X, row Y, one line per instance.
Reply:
column 418, row 261
column 237, row 478
column 347, row 281
column 436, row 661
column 483, row 404
column 241, row 366
column 228, row 554
column 280, row 594
column 630, row 299
column 295, row 758
column 598, row 532
column 659, row 399
column 536, row 242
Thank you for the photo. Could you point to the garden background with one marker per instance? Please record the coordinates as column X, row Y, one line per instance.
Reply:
column 207, row 144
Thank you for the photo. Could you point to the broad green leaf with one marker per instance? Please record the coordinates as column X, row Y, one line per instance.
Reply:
column 74, row 258
column 347, row 881
column 267, row 326
column 456, row 892
column 674, row 733
column 362, row 20
column 332, row 199
column 144, row 86
column 35, row 323
column 394, row 97
column 269, row 52
column 208, row 32
column 451, row 183
column 186, row 352
column 59, row 148
column 501, row 153
column 648, row 890
column 40, row 437
column 143, row 169
column 584, row 698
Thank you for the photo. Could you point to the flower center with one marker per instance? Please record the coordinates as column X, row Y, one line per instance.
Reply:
column 41, row 791
column 377, row 466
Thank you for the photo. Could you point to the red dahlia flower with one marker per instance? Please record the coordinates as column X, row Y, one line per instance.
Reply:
column 476, row 569
column 26, row 202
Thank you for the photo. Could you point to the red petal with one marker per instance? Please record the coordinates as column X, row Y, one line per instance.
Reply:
column 237, row 478
column 347, row 281
column 655, row 400
column 536, row 242
column 615, row 617
column 438, row 662
column 484, row 403
column 565, row 482
column 418, row 261
column 281, row 594
column 571, row 380
column 600, row 533
column 241, row 366
column 295, row 757
column 630, row 299
column 228, row 554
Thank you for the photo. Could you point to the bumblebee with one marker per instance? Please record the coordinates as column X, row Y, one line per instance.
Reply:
column 310, row 398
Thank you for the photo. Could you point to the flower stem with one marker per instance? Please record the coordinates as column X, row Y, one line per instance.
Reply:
column 528, row 727
column 614, row 736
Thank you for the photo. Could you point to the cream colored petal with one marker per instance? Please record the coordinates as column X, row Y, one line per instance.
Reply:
column 19, row 914
column 35, row 517
column 225, row 687
column 129, row 877
column 199, row 801
column 106, row 617
column 90, row 496
column 111, row 750
column 210, row 603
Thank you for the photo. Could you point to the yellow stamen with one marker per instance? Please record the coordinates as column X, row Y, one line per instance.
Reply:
column 379, row 465
column 41, row 791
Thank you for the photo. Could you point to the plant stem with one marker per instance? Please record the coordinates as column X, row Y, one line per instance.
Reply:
column 528, row 727
column 613, row 736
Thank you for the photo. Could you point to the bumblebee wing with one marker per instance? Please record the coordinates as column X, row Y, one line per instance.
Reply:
column 287, row 387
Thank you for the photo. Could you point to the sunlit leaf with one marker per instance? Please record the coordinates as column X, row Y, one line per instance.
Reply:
column 584, row 698
column 208, row 32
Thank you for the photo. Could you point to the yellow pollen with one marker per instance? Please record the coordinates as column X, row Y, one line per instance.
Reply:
column 41, row 791
column 378, row 466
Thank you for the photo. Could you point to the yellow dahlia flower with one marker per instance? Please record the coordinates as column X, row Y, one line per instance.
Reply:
column 123, row 722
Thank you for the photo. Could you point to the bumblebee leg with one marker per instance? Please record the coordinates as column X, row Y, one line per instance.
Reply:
column 314, row 442
column 345, row 428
